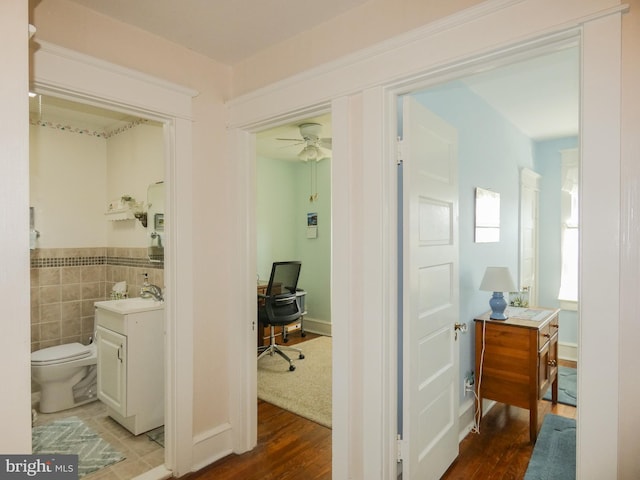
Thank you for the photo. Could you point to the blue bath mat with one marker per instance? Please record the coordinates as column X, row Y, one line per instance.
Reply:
column 71, row 436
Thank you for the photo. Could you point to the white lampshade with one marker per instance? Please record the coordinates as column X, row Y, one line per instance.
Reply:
column 497, row 279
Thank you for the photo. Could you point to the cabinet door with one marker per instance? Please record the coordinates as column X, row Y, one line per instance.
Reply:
column 112, row 368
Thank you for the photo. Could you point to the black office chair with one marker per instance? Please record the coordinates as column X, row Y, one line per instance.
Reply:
column 279, row 307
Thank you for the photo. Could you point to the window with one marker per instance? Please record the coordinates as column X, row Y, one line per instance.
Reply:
column 568, row 294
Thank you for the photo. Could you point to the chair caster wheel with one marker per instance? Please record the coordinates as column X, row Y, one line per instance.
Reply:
column 292, row 368
column 303, row 334
column 301, row 356
column 285, row 340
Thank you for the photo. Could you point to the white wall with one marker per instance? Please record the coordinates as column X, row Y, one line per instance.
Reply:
column 74, row 176
column 135, row 160
column 68, row 174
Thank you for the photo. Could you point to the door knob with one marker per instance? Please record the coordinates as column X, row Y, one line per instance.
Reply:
column 459, row 327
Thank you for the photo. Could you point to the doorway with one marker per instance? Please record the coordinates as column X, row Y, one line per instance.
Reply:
column 84, row 160
column 293, row 222
column 495, row 146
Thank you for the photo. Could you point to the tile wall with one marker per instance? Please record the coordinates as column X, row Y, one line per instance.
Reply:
column 65, row 283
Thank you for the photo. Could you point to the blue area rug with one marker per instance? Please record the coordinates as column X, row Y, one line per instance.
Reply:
column 554, row 456
column 566, row 386
column 71, row 436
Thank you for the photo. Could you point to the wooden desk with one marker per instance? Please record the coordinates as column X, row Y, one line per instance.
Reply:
column 520, row 361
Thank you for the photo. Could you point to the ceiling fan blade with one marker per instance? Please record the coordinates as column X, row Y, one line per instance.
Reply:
column 326, row 142
column 291, row 139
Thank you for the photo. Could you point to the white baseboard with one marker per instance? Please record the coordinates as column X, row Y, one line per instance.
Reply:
column 211, row 446
column 466, row 420
column 158, row 473
column 568, row 351
column 466, row 416
column 320, row 327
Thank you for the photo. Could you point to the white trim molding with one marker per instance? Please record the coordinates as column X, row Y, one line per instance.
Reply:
column 67, row 74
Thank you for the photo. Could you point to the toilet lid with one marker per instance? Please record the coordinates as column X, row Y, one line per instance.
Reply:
column 60, row 354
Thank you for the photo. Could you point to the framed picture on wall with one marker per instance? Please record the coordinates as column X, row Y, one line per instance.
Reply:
column 487, row 227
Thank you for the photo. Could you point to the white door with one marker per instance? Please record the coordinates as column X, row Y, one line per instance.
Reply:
column 431, row 291
column 529, row 193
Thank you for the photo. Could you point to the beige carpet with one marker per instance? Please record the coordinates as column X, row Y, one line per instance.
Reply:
column 307, row 390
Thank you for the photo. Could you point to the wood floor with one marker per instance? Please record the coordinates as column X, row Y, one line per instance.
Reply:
column 293, row 448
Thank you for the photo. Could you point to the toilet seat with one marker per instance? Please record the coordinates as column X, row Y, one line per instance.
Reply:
column 60, row 354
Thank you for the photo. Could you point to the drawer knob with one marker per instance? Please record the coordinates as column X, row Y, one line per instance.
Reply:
column 554, row 325
column 546, row 335
column 552, row 363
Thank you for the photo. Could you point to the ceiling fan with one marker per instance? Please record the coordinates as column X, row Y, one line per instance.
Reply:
column 315, row 148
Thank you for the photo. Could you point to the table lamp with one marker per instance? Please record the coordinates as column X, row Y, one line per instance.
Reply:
column 497, row 280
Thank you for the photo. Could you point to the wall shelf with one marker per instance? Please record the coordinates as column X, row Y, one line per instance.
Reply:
column 120, row 210
column 120, row 214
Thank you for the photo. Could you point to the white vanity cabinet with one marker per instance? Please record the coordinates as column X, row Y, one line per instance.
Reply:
column 130, row 340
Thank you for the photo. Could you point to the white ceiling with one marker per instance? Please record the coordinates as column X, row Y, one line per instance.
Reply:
column 228, row 31
column 539, row 96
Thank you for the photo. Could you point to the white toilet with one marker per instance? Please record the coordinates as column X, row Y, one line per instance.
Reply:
column 67, row 375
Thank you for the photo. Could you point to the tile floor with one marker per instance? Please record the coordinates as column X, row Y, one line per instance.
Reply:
column 142, row 454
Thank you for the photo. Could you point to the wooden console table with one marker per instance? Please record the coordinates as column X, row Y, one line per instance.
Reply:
column 520, row 360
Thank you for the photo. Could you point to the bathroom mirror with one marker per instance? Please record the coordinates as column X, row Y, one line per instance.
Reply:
column 155, row 221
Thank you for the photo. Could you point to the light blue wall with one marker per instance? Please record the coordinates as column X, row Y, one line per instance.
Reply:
column 283, row 190
column 491, row 153
column 547, row 161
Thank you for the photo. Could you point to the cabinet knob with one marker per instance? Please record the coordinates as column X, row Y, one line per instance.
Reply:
column 546, row 335
column 552, row 363
column 554, row 325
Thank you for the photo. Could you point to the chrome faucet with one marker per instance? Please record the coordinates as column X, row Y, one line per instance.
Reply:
column 150, row 290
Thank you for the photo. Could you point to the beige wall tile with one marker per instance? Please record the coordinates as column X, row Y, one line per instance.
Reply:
column 93, row 273
column 92, row 290
column 87, row 308
column 49, row 331
column 35, row 277
column 71, row 311
column 49, row 276
column 71, row 327
column 71, row 292
column 70, row 275
column 50, row 313
column 50, row 294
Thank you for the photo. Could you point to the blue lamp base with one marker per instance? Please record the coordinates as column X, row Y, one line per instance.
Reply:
column 498, row 305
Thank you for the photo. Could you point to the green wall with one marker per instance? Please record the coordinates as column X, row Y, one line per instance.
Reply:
column 283, row 191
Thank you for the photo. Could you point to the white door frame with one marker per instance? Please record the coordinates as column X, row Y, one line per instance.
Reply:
column 67, row 74
column 362, row 87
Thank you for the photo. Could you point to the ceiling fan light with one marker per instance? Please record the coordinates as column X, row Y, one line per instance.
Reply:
column 313, row 152
column 310, row 152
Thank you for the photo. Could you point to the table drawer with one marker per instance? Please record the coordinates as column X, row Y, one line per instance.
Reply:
column 544, row 334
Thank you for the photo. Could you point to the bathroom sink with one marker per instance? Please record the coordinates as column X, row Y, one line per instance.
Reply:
column 130, row 305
